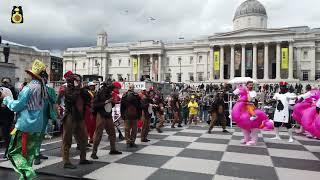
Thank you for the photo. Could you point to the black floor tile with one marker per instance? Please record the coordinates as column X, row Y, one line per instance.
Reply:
column 248, row 150
column 167, row 143
column 201, row 154
column 147, row 160
column 213, row 140
column 302, row 164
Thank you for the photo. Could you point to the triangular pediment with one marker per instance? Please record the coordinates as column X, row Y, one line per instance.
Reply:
column 251, row 32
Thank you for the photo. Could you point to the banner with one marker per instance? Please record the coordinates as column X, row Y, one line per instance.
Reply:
column 216, row 61
column 284, row 58
column 135, row 66
column 260, row 58
column 237, row 60
column 249, row 59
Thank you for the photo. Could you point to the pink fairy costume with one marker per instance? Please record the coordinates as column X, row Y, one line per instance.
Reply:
column 241, row 116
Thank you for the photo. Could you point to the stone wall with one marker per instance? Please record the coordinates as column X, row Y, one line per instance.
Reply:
column 7, row 70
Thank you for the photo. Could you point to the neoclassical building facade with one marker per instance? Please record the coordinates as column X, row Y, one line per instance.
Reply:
column 250, row 50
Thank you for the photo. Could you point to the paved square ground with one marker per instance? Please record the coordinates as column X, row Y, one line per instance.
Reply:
column 189, row 153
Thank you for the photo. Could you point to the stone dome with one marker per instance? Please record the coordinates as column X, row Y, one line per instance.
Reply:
column 249, row 8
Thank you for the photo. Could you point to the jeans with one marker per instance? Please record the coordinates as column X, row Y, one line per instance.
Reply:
column 205, row 115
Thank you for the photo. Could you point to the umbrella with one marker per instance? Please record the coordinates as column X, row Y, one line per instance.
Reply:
column 240, row 80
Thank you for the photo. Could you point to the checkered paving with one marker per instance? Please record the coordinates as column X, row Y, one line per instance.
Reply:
column 190, row 153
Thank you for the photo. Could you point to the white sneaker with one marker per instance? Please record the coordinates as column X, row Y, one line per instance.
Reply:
column 276, row 138
column 291, row 140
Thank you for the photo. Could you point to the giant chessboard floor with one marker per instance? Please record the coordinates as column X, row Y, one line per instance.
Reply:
column 190, row 153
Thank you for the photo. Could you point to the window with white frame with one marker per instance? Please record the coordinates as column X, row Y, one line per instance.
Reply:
column 167, row 76
column 119, row 62
column 167, row 61
column 191, row 59
column 110, row 62
column 305, row 54
column 96, row 62
column 305, row 75
column 200, row 76
column 200, row 59
column 83, row 65
column 317, row 75
column 129, row 62
column 191, row 77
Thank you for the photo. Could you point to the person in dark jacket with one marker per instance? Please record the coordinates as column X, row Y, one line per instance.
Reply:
column 147, row 108
column 102, row 110
column 76, row 98
column 131, row 111
column 217, row 113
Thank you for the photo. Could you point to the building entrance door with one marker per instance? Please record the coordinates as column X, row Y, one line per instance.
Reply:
column 274, row 70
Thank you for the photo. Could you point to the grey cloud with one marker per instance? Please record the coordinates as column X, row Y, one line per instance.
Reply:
column 58, row 24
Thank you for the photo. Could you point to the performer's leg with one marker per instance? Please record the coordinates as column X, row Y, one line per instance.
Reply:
column 100, row 121
column 22, row 165
column 213, row 121
column 147, row 129
column 81, row 137
column 254, row 137
column 144, row 127
column 67, row 140
column 134, row 130
column 290, row 131
column 276, row 130
column 246, row 136
column 6, row 133
column 160, row 123
column 109, row 126
column 127, row 130
column 223, row 122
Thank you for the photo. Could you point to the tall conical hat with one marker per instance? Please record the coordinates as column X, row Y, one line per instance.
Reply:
column 37, row 67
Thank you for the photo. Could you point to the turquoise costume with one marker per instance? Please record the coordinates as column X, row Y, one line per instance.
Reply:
column 26, row 135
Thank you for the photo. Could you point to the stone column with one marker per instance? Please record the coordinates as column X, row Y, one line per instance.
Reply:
column 298, row 59
column 159, row 68
column 222, row 62
column 211, row 64
column 195, row 68
column 139, row 67
column 312, row 58
column 243, row 61
column 266, row 61
column 232, row 62
column 254, row 61
column 151, row 65
column 278, row 62
column 290, row 73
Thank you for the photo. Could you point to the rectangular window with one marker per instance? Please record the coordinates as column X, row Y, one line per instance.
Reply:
column 200, row 76
column 305, row 75
column 200, row 59
column 191, row 59
column 305, row 54
column 119, row 62
column 129, row 62
column 96, row 62
column 317, row 75
column 84, row 65
column 167, row 61
column 167, row 77
column 191, row 78
column 119, row 77
column 179, row 75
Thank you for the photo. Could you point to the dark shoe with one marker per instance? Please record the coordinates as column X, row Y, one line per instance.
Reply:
column 179, row 126
column 133, row 145
column 43, row 157
column 225, row 131
column 85, row 162
column 37, row 161
column 89, row 145
column 94, row 156
column 209, row 132
column 145, row 140
column 69, row 166
column 173, row 127
column 115, row 152
column 159, row 130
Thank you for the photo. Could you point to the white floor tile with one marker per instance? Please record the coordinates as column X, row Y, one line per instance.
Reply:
column 161, row 150
column 220, row 177
column 294, row 174
column 181, row 138
column 122, row 172
column 313, row 148
column 216, row 136
column 207, row 146
column 292, row 154
column 192, row 165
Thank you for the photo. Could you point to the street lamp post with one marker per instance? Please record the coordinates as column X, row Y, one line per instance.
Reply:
column 180, row 70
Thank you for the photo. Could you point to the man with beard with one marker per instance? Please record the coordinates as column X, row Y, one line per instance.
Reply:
column 102, row 109
column 131, row 111
column 76, row 98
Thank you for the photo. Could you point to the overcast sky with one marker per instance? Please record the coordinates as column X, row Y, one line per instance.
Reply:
column 58, row 24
